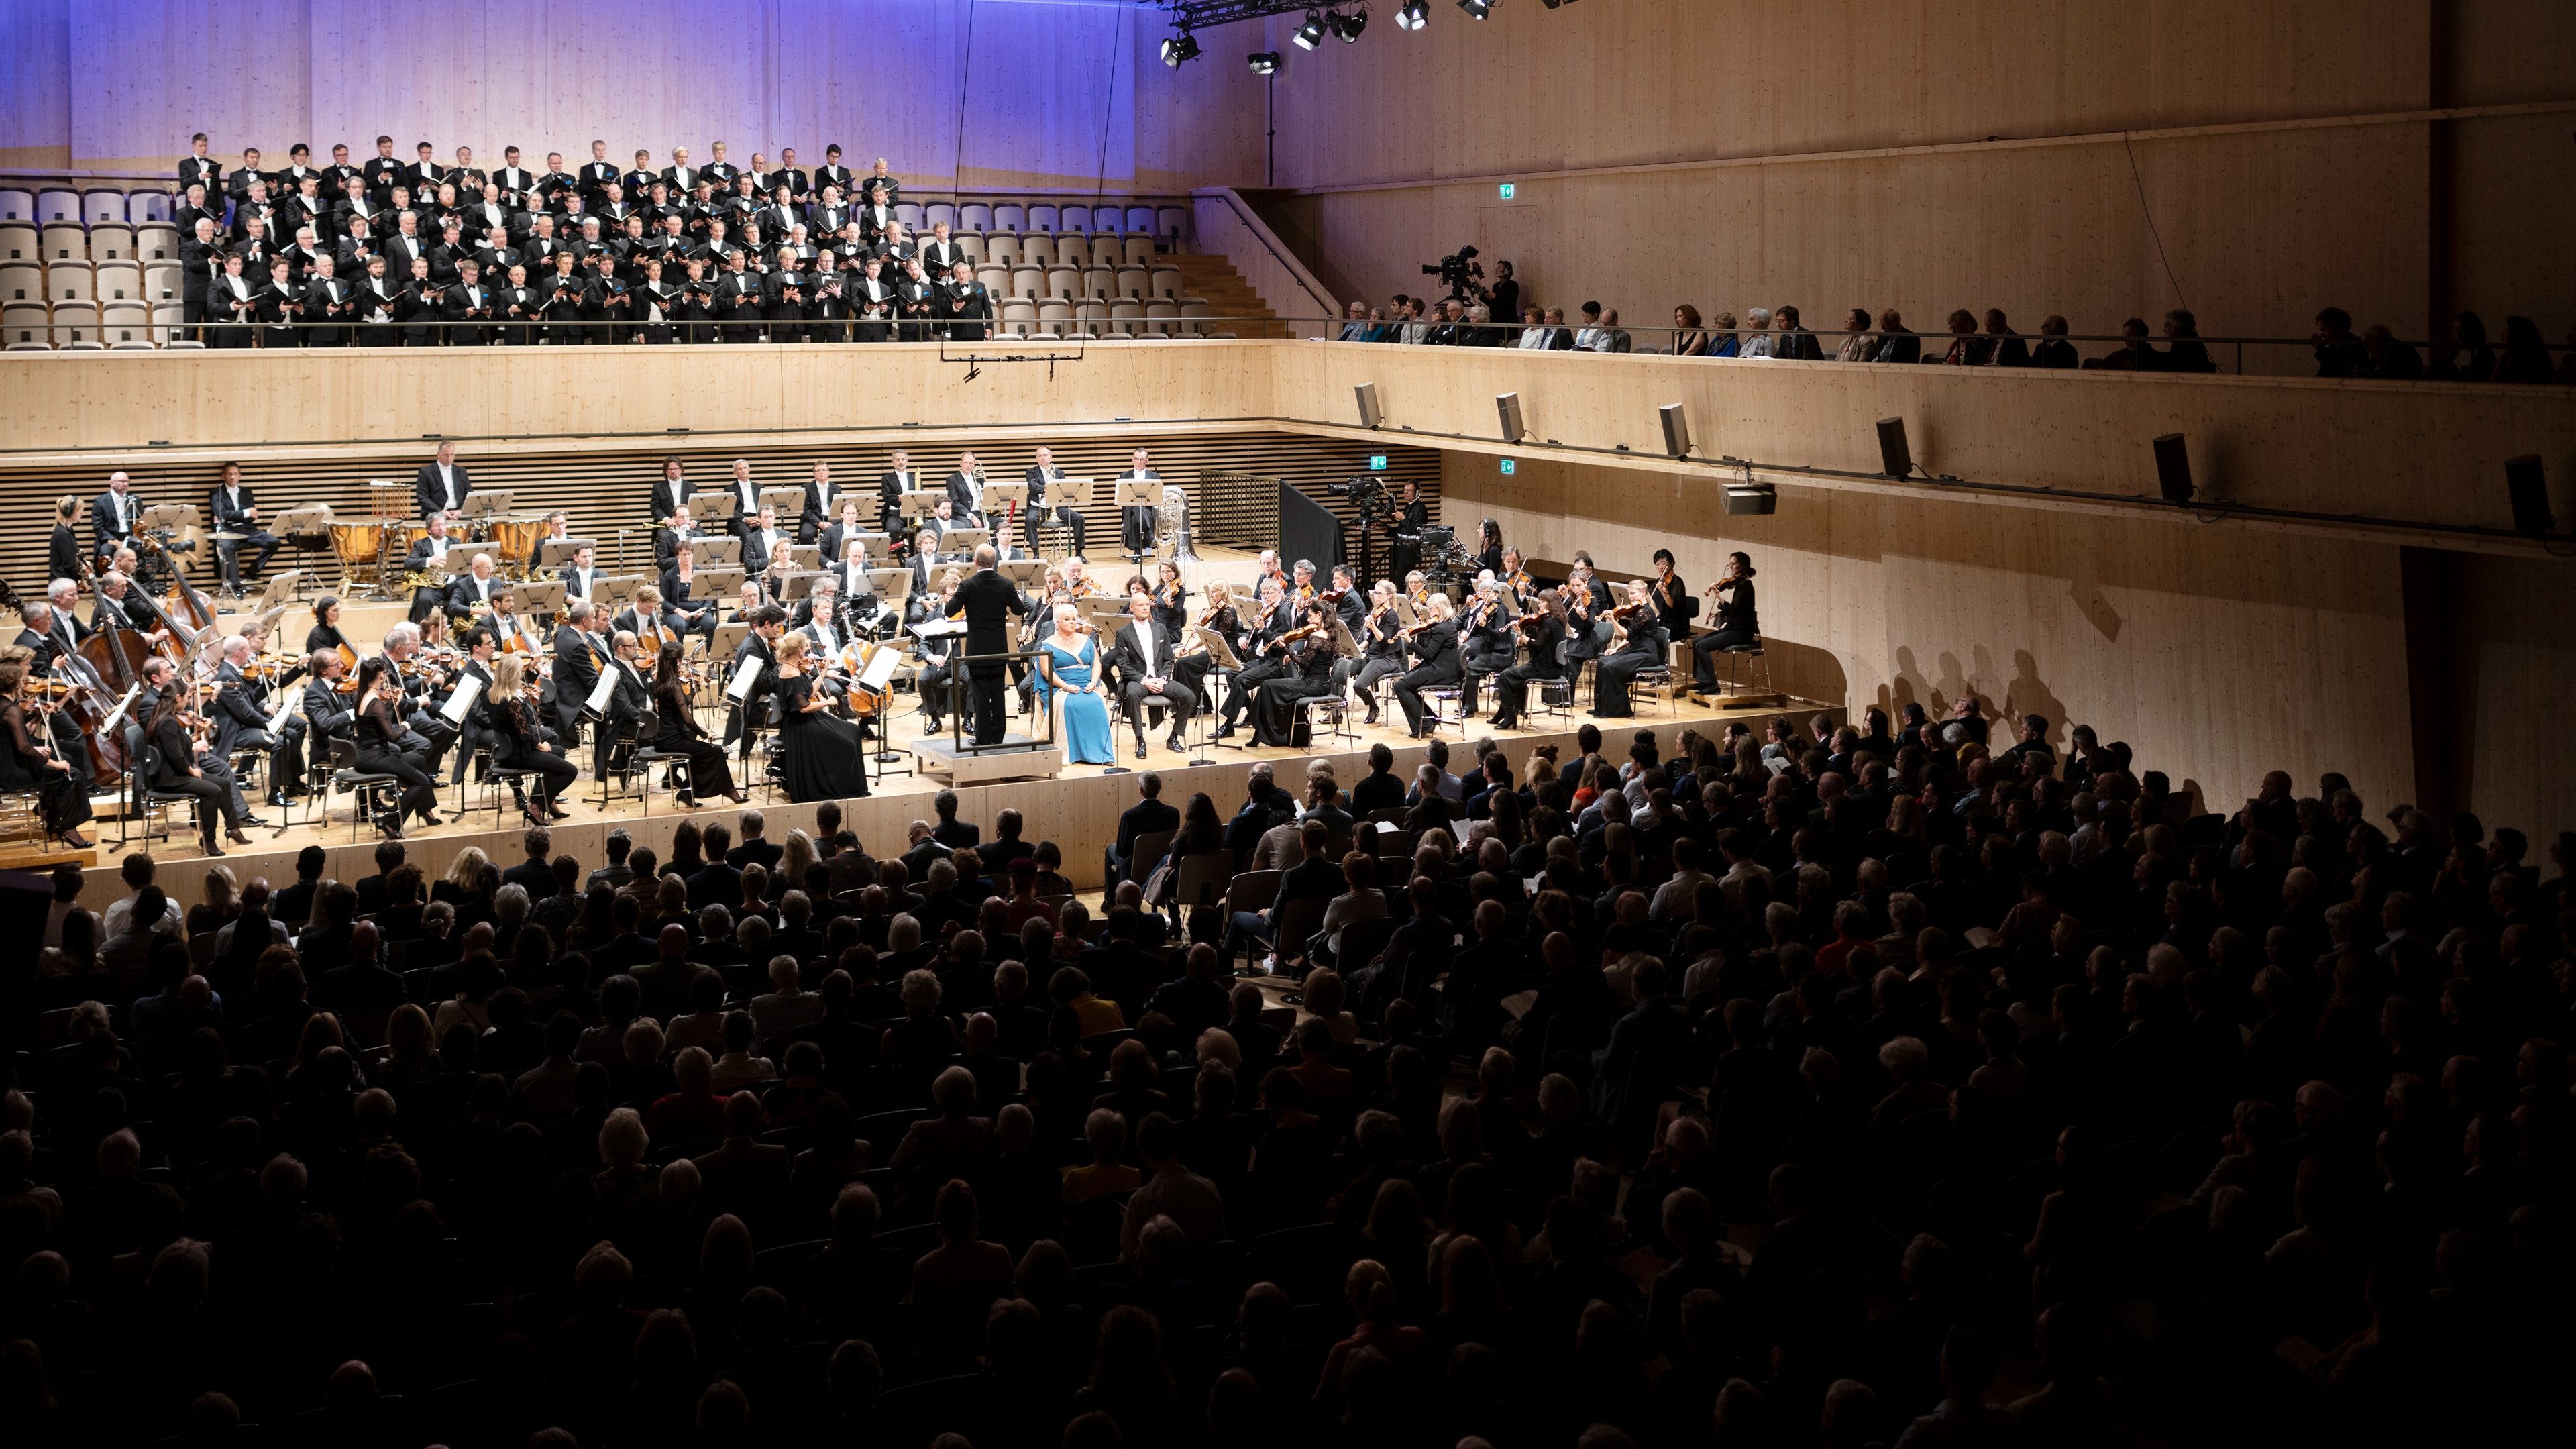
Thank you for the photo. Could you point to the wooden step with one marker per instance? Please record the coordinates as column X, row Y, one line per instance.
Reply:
column 1212, row 277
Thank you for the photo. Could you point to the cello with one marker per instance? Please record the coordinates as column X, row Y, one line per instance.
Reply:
column 87, row 701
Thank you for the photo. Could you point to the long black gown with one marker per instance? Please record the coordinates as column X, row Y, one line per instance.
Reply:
column 820, row 754
column 1646, row 647
column 63, row 796
column 678, row 734
column 1306, row 671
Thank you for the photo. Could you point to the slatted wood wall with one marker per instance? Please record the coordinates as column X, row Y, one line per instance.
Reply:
column 610, row 487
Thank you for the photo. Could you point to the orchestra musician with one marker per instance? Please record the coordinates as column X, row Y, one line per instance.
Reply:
column 768, row 622
column 671, row 491
column 1486, row 643
column 578, row 660
column 965, row 489
column 1194, row 659
column 63, row 557
column 898, row 479
column 29, row 759
column 1436, row 662
column 1738, row 626
column 1253, row 645
column 1489, row 547
column 763, row 546
column 1381, row 640
column 1544, row 634
column 676, row 732
column 171, row 766
column 471, row 592
column 937, row 683
column 1412, row 516
column 1136, row 524
column 1672, row 598
column 834, row 541
column 580, row 576
column 1637, row 642
column 379, row 731
column 520, row 742
column 628, row 698
column 1305, row 671
column 234, row 510
column 1042, row 477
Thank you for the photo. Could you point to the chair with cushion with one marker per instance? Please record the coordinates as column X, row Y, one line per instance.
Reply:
column 1171, row 223
column 1135, row 250
column 169, row 324
column 151, row 807
column 17, row 204
column 163, row 281
column 18, row 243
column 55, row 204
column 975, row 216
column 1028, row 282
column 1132, row 281
column 126, row 323
column 1126, row 318
column 1037, row 249
column 156, row 242
column 1110, row 219
column 971, row 243
column 1091, row 316
column 1019, row 318
column 379, row 794
column 1140, row 222
column 939, row 211
column 102, row 204
column 1009, row 216
column 25, row 325
column 21, row 282
column 75, row 323
column 1064, row 283
column 1055, row 318
column 1102, row 282
column 1164, row 282
column 69, row 282
column 145, row 206
column 111, row 242
column 910, row 214
column 1001, row 249
column 1042, row 217
column 63, row 242
column 1163, row 319
column 119, row 282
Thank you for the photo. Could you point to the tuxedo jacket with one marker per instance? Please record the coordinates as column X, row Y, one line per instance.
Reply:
column 668, row 495
column 227, row 517
column 1127, row 654
column 426, row 490
column 112, row 522
column 938, row 256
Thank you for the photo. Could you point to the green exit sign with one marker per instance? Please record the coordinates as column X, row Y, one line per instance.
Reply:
column 1377, row 462
column 1511, row 466
column 1508, row 190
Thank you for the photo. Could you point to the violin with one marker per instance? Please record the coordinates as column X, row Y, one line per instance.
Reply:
column 348, row 681
column 1523, row 621
column 1624, row 612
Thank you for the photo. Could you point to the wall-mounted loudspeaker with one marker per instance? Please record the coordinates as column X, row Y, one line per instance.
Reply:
column 1676, row 429
column 1367, row 394
column 1752, row 498
column 1893, row 456
column 1508, row 406
column 2173, row 468
column 2529, row 486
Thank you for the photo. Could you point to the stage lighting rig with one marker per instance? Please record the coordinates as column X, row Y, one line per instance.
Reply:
column 1310, row 34
column 1178, row 47
column 1413, row 15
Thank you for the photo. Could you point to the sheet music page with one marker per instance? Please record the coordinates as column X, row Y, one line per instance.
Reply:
column 469, row 688
column 740, row 687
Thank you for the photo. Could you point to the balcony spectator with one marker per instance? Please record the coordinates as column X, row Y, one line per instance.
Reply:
column 2390, row 358
column 2338, row 351
column 1964, row 350
column 2053, row 350
column 1590, row 337
column 2526, row 357
column 1619, row 340
column 2186, row 353
column 1534, row 332
column 1757, row 333
column 1856, row 344
column 1896, row 341
column 1355, row 328
column 1688, row 339
column 2134, row 354
column 1795, row 343
column 2468, row 358
column 1723, row 342
column 2004, row 347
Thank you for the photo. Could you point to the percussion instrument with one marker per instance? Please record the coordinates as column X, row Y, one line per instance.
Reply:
column 514, row 540
column 358, row 546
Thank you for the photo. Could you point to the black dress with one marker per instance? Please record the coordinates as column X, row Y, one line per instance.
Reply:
column 1307, row 671
column 64, row 797
column 1511, row 687
column 821, row 757
column 380, row 730
column 677, row 733
column 516, row 736
column 1645, row 648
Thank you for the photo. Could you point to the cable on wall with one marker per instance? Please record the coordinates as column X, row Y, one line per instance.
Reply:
column 1108, row 108
column 965, row 73
column 2148, row 212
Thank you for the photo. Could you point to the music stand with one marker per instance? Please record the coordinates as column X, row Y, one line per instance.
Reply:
column 722, row 584
column 1024, row 573
column 173, row 517
column 544, row 597
column 615, row 589
column 1145, row 493
column 914, row 505
column 728, row 638
column 483, row 504
column 1404, row 611
column 964, row 540
column 787, row 502
column 797, row 585
column 555, row 553
column 281, row 589
column 1223, row 665
column 1344, row 646
column 713, row 507
column 804, row 555
column 891, row 586
column 998, row 498
column 716, row 552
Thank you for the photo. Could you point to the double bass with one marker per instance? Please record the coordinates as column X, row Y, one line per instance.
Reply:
column 87, row 700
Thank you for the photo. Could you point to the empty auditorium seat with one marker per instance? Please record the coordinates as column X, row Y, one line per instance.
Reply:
column 17, row 204
column 1042, row 217
column 1163, row 319
column 1019, row 318
column 1092, row 315
column 1172, row 222
column 910, row 214
column 1009, row 216
column 1194, row 318
column 1055, row 318
column 125, row 322
column 1027, row 282
column 1072, row 219
column 64, row 242
column 1136, row 251
column 1165, row 282
column 55, row 204
column 1063, row 282
column 1140, row 221
column 1110, row 219
column 118, row 282
column 21, row 282
column 1037, row 249
column 75, row 322
column 168, row 319
column 24, row 323
column 18, row 244
column 101, row 203
column 1131, row 282
column 156, row 242
column 69, row 282
column 1099, row 282
column 1001, row 249
column 163, row 281
column 996, row 280
column 971, row 243
column 1107, row 251
column 1126, row 318
column 975, row 216
column 940, row 211
column 145, row 206
column 111, row 241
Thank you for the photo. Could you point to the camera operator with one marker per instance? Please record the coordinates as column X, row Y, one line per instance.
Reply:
column 1505, row 295
column 1462, row 274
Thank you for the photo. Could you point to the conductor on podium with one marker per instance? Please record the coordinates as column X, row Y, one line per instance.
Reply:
column 986, row 601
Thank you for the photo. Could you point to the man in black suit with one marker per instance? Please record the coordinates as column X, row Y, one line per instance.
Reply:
column 1142, row 655
column 626, row 702
column 898, row 479
column 671, row 490
column 767, row 623
column 1043, row 475
column 1148, row 816
column 577, row 660
column 966, row 493
column 197, row 167
column 756, row 848
column 822, row 506
column 535, row 874
column 441, row 486
column 1136, row 525
column 234, row 511
column 470, row 591
column 239, row 715
column 1435, row 652
column 112, row 515
column 986, row 601
column 762, row 543
column 580, row 576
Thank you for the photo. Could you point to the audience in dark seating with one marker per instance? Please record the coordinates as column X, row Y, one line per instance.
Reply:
column 1865, row 1089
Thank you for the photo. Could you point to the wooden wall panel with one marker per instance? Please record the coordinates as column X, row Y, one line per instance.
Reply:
column 2218, row 654
column 35, row 84
column 145, row 75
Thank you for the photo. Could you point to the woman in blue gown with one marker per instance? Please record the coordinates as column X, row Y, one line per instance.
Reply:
column 1069, row 664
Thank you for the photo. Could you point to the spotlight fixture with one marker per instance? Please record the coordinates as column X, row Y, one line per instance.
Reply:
column 1263, row 62
column 1310, row 34
column 1346, row 28
column 1180, row 47
column 1477, row 9
column 1414, row 15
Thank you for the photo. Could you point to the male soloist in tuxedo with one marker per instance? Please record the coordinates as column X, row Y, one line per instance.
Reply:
column 234, row 511
column 986, row 601
column 441, row 485
column 1143, row 657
